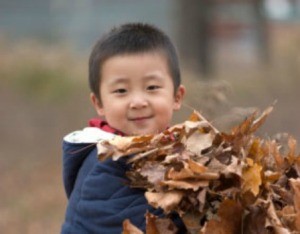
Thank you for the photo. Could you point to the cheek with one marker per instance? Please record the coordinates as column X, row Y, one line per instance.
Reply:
column 113, row 109
column 165, row 110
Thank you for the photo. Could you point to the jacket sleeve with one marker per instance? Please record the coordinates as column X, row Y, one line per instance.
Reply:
column 101, row 199
column 74, row 156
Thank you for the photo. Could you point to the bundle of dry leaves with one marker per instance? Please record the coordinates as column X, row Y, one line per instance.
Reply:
column 217, row 182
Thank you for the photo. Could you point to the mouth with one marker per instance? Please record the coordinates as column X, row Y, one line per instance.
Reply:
column 140, row 118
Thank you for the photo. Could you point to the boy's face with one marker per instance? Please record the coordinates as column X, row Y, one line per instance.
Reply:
column 137, row 93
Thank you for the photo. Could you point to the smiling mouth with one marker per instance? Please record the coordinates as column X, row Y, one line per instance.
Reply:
column 140, row 118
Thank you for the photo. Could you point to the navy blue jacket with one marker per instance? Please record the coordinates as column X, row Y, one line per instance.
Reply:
column 98, row 192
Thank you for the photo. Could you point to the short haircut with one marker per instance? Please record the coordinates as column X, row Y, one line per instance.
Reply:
column 131, row 38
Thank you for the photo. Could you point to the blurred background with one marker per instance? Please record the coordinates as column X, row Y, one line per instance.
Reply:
column 236, row 57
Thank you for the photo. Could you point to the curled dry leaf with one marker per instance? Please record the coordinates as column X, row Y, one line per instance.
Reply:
column 168, row 201
column 228, row 220
column 252, row 177
column 129, row 228
column 295, row 184
column 217, row 182
column 156, row 226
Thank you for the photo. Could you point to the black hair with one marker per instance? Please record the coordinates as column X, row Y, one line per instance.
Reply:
column 131, row 38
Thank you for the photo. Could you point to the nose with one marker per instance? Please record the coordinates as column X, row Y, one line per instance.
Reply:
column 138, row 101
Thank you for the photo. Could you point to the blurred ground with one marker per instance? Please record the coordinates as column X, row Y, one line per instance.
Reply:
column 44, row 95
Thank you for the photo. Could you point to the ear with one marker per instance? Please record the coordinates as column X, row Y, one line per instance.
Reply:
column 97, row 104
column 178, row 97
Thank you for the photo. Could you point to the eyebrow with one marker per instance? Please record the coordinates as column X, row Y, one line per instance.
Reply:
column 118, row 80
column 150, row 76
column 154, row 75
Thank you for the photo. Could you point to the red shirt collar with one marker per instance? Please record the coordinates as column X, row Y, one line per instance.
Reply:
column 103, row 125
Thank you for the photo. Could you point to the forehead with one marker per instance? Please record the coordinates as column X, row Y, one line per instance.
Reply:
column 135, row 63
column 150, row 55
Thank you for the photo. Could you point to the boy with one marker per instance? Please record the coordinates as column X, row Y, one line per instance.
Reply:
column 134, row 77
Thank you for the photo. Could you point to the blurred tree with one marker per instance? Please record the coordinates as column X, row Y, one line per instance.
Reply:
column 199, row 22
column 261, row 26
column 194, row 34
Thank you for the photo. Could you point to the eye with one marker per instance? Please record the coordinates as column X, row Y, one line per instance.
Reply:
column 153, row 87
column 120, row 91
